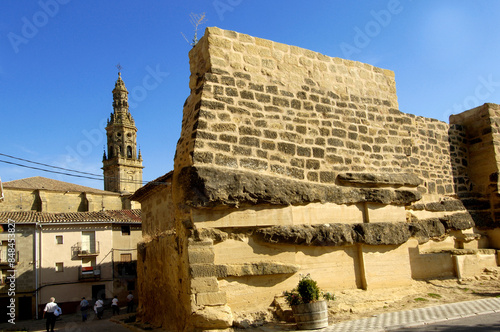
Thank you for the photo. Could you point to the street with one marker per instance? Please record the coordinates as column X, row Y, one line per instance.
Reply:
column 476, row 323
column 69, row 323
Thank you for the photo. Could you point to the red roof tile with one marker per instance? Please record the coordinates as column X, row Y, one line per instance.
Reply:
column 115, row 216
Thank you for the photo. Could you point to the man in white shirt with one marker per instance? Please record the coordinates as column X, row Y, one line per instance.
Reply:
column 99, row 308
column 48, row 313
column 114, row 306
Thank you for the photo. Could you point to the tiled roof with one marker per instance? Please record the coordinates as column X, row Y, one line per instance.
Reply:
column 118, row 216
column 39, row 182
column 148, row 187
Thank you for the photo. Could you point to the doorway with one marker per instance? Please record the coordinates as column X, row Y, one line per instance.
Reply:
column 98, row 292
column 25, row 308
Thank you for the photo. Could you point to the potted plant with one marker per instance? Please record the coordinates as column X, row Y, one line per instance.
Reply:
column 309, row 304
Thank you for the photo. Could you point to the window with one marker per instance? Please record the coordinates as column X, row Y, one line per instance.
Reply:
column 89, row 245
column 59, row 239
column 125, row 258
column 129, row 151
column 59, row 267
column 3, row 251
column 130, row 285
column 125, row 230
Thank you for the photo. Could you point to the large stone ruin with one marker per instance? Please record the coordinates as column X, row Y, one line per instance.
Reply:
column 292, row 162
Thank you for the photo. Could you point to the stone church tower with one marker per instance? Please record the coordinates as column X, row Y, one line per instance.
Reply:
column 123, row 165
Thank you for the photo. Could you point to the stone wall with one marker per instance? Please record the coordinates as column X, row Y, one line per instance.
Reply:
column 163, row 282
column 291, row 162
column 261, row 106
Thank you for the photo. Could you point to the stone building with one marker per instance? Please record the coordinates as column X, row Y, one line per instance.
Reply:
column 292, row 162
column 94, row 231
column 48, row 195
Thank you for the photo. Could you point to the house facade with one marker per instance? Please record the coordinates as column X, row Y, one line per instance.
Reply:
column 68, row 256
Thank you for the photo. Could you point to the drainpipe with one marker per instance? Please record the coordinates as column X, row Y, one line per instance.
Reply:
column 38, row 264
column 36, row 270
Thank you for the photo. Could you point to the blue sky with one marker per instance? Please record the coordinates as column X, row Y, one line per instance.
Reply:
column 58, row 58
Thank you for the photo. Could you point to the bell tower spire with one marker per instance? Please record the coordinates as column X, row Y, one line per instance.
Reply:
column 123, row 165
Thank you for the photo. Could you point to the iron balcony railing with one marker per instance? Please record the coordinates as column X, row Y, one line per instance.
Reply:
column 86, row 249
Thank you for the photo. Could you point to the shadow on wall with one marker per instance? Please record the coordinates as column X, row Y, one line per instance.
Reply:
column 306, row 252
column 476, row 202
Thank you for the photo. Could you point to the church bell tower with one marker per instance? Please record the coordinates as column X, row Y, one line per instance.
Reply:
column 122, row 165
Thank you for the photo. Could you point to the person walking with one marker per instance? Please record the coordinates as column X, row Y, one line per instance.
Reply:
column 130, row 302
column 49, row 314
column 99, row 308
column 84, row 308
column 114, row 306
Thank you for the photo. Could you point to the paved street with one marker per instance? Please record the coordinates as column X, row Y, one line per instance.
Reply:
column 480, row 315
column 419, row 317
column 69, row 323
column 476, row 323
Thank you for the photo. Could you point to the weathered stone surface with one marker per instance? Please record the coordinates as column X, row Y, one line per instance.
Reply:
column 395, row 179
column 367, row 233
column 210, row 186
column 201, row 256
column 321, row 235
column 255, row 269
column 211, row 233
column 472, row 251
column 382, row 233
column 337, row 234
column 202, row 270
column 204, row 285
column 426, row 229
column 445, row 205
column 211, row 298
column 212, row 317
column 458, row 221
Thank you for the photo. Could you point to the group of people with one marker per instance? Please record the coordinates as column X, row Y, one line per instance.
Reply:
column 52, row 310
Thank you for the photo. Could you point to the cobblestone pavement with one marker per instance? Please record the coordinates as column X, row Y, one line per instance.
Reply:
column 395, row 320
column 418, row 317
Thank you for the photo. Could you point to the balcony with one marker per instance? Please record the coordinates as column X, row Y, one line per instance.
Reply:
column 4, row 258
column 86, row 249
column 89, row 273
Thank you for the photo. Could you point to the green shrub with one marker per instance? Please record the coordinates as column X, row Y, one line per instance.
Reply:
column 306, row 291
